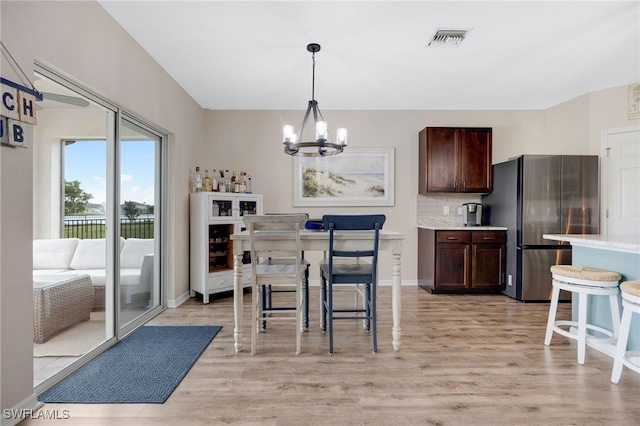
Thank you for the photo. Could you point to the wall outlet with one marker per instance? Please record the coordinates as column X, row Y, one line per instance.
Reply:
column 510, row 280
column 460, row 211
column 445, row 210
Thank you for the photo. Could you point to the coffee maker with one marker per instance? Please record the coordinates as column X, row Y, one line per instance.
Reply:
column 472, row 214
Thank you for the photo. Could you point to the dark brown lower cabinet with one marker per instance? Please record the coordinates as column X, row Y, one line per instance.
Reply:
column 461, row 261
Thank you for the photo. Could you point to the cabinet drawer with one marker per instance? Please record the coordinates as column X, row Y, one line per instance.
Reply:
column 223, row 281
column 220, row 282
column 495, row 237
column 453, row 237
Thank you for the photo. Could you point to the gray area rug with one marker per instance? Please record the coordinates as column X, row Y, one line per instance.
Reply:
column 144, row 367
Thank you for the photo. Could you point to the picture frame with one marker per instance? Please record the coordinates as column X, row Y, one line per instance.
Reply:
column 355, row 177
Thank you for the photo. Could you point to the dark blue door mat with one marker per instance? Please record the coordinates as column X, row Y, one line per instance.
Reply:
column 144, row 367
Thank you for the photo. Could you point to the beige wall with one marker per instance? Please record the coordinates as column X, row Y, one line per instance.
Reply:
column 66, row 34
column 251, row 141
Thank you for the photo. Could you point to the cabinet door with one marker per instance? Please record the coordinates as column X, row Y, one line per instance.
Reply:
column 452, row 266
column 248, row 205
column 219, row 208
column 475, row 160
column 442, row 157
column 488, row 268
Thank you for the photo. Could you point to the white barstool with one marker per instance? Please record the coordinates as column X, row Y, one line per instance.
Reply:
column 630, row 303
column 584, row 281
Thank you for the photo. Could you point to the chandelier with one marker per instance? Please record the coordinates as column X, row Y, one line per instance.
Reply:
column 322, row 146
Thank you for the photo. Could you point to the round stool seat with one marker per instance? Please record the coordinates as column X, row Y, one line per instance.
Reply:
column 630, row 291
column 583, row 281
column 602, row 277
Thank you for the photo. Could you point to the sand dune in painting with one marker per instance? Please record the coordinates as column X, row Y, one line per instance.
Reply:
column 320, row 184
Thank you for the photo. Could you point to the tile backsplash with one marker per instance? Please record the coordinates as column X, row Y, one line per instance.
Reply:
column 431, row 208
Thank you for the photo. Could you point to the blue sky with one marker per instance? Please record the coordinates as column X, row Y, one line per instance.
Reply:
column 85, row 161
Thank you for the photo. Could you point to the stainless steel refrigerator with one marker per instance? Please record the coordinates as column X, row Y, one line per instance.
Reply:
column 535, row 195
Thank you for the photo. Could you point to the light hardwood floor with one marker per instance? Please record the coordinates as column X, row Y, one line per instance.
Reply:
column 464, row 360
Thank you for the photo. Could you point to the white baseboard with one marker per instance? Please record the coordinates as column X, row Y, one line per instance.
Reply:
column 174, row 303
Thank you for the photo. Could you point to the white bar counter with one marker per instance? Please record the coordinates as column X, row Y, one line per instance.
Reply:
column 620, row 253
column 621, row 243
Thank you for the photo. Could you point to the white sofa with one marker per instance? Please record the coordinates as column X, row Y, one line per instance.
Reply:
column 72, row 256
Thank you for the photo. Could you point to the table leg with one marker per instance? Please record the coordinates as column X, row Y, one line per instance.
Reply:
column 237, row 301
column 396, row 300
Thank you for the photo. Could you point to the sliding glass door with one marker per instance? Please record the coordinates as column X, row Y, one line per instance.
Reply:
column 139, row 174
column 97, row 181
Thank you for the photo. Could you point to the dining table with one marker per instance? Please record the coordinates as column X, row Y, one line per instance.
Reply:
column 318, row 240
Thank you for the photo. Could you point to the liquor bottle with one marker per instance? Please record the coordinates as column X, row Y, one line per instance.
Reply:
column 214, row 180
column 243, row 182
column 247, row 180
column 206, row 182
column 198, row 181
column 235, row 184
column 227, row 181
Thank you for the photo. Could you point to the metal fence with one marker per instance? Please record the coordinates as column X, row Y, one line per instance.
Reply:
column 90, row 226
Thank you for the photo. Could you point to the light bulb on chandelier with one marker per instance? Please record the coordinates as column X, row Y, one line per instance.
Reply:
column 322, row 146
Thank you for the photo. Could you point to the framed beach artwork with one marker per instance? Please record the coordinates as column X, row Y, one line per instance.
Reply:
column 356, row 177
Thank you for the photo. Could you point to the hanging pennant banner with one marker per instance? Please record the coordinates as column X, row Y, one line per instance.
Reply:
column 18, row 102
column 3, row 130
column 17, row 112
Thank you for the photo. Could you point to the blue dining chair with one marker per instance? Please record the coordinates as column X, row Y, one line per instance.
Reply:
column 351, row 266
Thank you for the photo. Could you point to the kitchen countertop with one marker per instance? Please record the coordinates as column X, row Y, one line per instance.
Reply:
column 444, row 227
column 624, row 243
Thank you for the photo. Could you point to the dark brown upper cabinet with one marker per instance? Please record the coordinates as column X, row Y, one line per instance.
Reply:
column 455, row 159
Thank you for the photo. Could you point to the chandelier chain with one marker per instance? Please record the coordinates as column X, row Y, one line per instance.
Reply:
column 313, row 76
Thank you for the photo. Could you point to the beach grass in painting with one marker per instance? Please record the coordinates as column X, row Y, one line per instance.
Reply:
column 318, row 183
column 359, row 177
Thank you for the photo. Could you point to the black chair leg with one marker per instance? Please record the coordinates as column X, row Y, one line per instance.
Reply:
column 374, row 326
column 263, row 303
column 367, row 306
column 323, row 303
column 306, row 298
column 330, row 316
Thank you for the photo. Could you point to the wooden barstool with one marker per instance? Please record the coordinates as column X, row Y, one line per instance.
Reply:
column 584, row 281
column 630, row 303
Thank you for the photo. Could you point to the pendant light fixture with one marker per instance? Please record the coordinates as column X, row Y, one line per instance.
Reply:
column 323, row 145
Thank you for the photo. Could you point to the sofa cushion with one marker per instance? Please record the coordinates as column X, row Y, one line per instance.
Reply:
column 91, row 254
column 134, row 251
column 40, row 275
column 98, row 276
column 53, row 253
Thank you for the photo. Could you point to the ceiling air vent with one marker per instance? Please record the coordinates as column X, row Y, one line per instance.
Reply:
column 448, row 37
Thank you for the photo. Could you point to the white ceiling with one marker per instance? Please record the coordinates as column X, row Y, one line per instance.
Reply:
column 519, row 55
